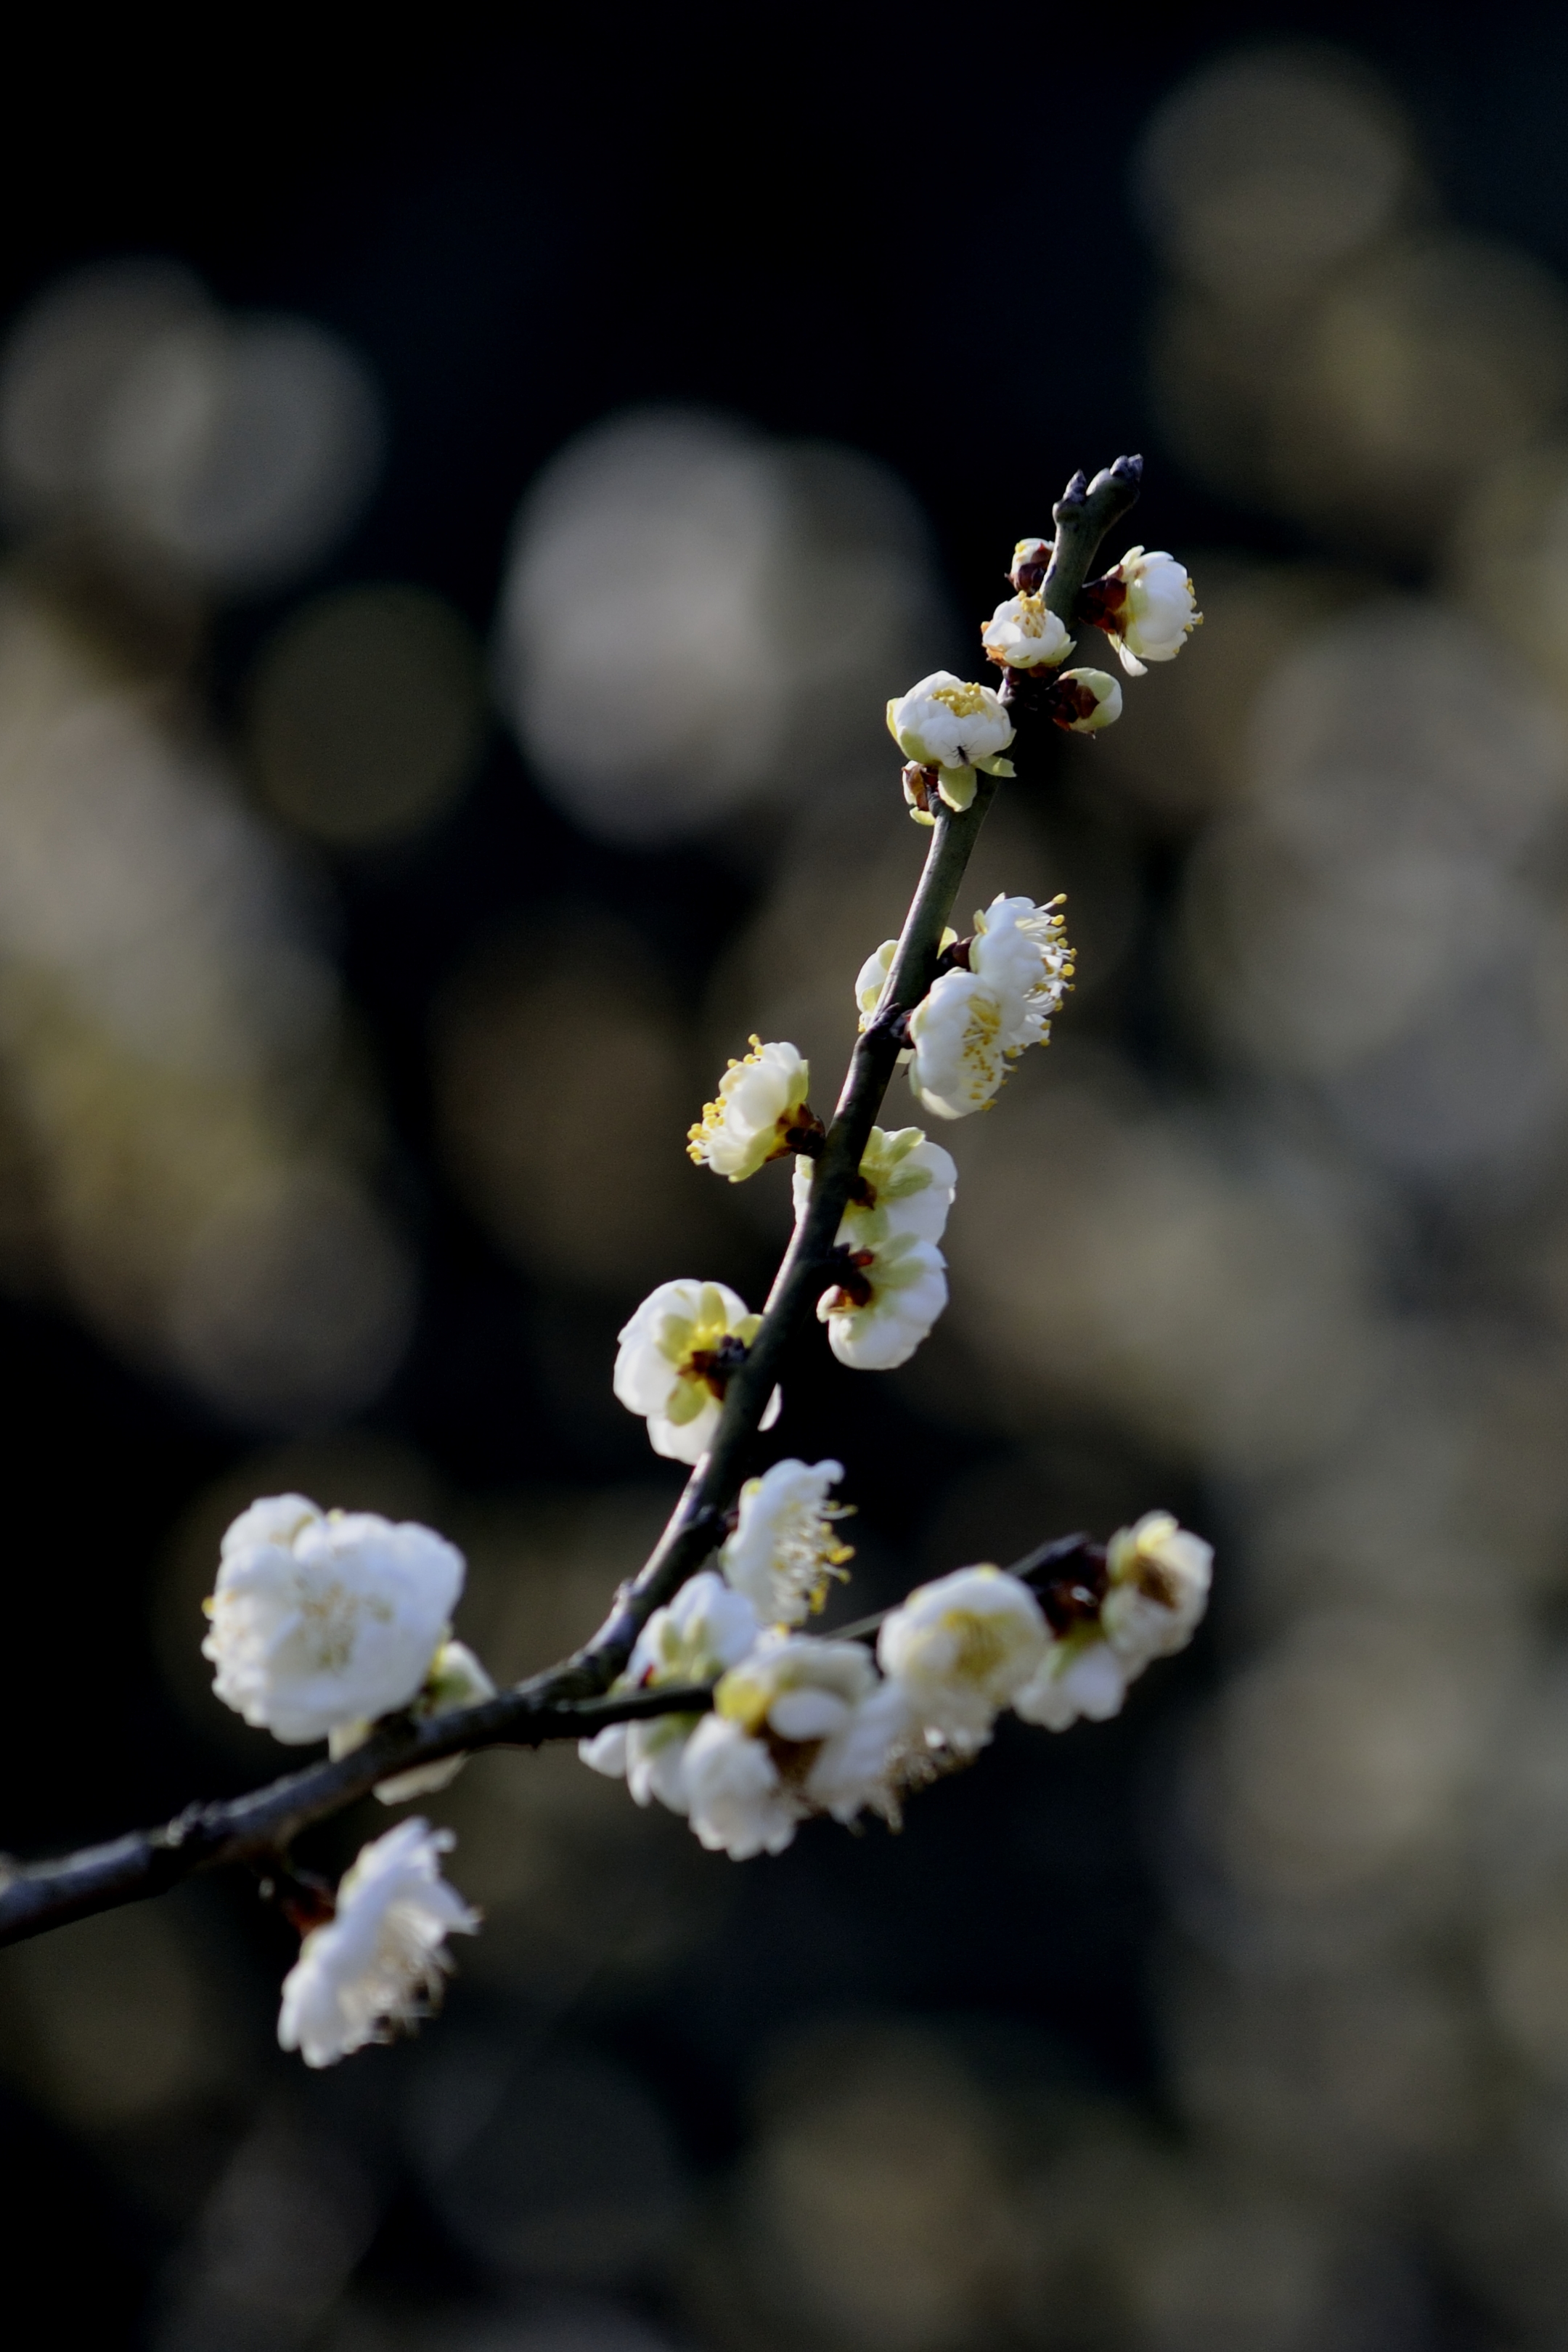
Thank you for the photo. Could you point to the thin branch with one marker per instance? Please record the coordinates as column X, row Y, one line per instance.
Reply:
column 568, row 1701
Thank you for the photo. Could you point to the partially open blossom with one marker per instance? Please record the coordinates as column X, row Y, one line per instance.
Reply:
column 455, row 1679
column 871, row 982
column 748, row 1765
column 676, row 1356
column 1024, row 633
column 379, row 1965
column 961, row 1649
column 882, row 1307
column 786, row 1550
column 906, row 1186
column 1145, row 606
column 1157, row 1578
column 955, row 727
column 858, row 1766
column 1031, row 560
column 1084, row 701
column 320, row 1619
column 705, row 1628
column 758, row 1112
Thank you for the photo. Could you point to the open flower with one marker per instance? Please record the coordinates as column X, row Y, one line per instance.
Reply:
column 705, row 1628
column 320, row 1619
column 1031, row 560
column 455, row 1679
column 748, row 1766
column 1157, row 1588
column 906, row 1186
column 972, row 1024
column 379, row 1965
column 884, row 1302
column 785, row 1551
column 953, row 727
column 962, row 1649
column 676, row 1356
column 758, row 1112
column 1024, row 633
column 1146, row 607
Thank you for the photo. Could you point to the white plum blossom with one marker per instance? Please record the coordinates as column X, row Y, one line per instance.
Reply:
column 907, row 1185
column 961, row 1649
column 972, row 1024
column 759, row 1105
column 871, row 980
column 321, row 1619
column 857, row 1766
column 455, row 1679
column 1086, row 700
column 381, row 1963
column 1031, row 558
column 1024, row 633
column 777, row 1715
column 675, row 1356
column 1157, row 1577
column 954, row 726
column 705, row 1628
column 882, row 1306
column 1146, row 607
column 785, row 1549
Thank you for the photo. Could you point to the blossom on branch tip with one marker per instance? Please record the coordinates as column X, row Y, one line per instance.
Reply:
column 1157, row 1577
column 676, row 1359
column 785, row 1551
column 705, row 1628
column 961, row 1649
column 760, row 1111
column 322, row 1619
column 379, row 1965
column 1024, row 633
column 906, row 1186
column 884, row 1303
column 1146, row 607
column 952, row 726
column 455, row 1679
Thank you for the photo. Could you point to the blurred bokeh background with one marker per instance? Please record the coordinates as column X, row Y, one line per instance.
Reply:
column 465, row 505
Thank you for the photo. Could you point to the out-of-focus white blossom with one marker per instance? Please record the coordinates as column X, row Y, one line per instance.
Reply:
column 1024, row 633
column 379, row 1965
column 785, row 1549
column 881, row 1310
column 857, row 1766
column 1159, row 1577
column 1145, row 606
column 907, row 1185
column 455, row 1679
column 1085, row 700
column 748, row 1767
column 961, row 1649
column 325, row 1619
column 954, row 726
column 760, row 1099
column 677, row 1355
column 972, row 1024
column 1157, row 1588
column 705, row 1628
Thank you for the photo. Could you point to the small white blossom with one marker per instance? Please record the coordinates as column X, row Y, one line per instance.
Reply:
column 1086, row 700
column 962, row 1649
column 785, row 1549
column 1024, row 633
column 705, row 1628
column 1081, row 1676
column 381, row 1963
column 907, row 1185
column 880, row 1311
column 955, row 727
column 748, row 1765
column 857, row 1765
column 1149, row 608
column 325, row 1619
column 455, row 1679
column 972, row 1024
column 675, row 1356
column 1159, row 1578
column 871, row 982
column 760, row 1100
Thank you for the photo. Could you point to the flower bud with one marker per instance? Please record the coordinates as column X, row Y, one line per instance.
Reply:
column 1083, row 700
column 1031, row 560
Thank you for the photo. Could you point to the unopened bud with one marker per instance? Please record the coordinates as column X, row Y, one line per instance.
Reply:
column 1083, row 700
column 1031, row 560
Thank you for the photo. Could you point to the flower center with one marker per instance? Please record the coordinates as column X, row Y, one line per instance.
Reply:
column 962, row 701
